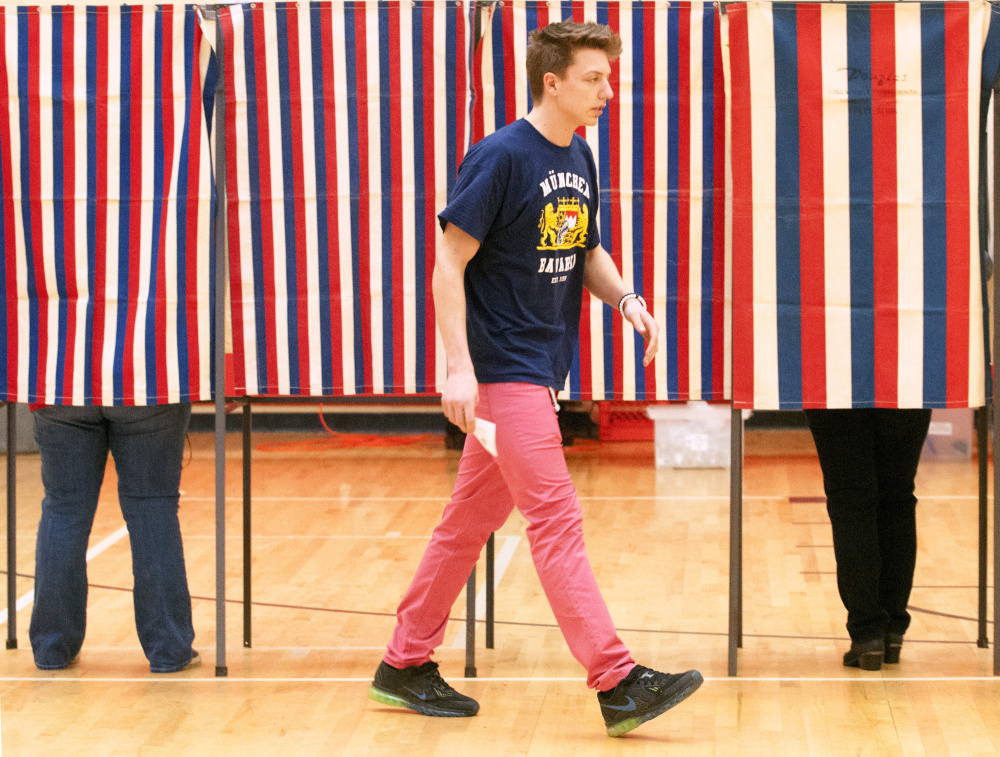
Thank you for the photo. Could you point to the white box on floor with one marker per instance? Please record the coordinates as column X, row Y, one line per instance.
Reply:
column 692, row 435
column 950, row 435
column 24, row 438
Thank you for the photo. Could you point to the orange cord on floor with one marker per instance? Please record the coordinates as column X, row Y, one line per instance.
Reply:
column 337, row 440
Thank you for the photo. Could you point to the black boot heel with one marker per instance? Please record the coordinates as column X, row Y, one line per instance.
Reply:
column 893, row 646
column 866, row 655
column 870, row 661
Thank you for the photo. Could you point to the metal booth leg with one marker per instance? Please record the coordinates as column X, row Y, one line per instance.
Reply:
column 11, row 525
column 735, row 538
column 470, row 625
column 490, row 580
column 982, row 432
column 247, row 577
column 220, row 358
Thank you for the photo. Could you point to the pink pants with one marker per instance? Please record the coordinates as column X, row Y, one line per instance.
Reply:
column 529, row 473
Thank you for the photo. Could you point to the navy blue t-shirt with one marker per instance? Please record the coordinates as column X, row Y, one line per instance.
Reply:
column 533, row 207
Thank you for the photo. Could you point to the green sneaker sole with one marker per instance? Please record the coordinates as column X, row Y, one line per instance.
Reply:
column 686, row 689
column 393, row 700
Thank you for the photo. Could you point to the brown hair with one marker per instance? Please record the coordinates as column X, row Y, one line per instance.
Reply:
column 551, row 48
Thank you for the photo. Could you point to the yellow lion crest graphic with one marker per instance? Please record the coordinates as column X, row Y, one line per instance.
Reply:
column 564, row 226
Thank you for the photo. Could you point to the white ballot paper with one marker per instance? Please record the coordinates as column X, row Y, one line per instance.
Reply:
column 486, row 433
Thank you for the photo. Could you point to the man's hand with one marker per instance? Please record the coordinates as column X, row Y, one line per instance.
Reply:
column 644, row 323
column 459, row 400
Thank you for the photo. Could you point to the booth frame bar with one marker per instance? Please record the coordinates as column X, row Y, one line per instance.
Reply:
column 11, row 525
column 996, row 406
column 982, row 422
column 735, row 538
column 219, row 115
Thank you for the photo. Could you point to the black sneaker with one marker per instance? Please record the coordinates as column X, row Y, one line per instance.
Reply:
column 420, row 688
column 642, row 695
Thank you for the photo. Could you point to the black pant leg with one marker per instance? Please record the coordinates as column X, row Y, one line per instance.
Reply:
column 899, row 439
column 845, row 441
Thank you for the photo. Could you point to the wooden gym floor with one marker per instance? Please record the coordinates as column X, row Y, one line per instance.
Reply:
column 338, row 534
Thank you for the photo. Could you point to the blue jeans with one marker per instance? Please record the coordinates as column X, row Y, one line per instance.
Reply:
column 148, row 446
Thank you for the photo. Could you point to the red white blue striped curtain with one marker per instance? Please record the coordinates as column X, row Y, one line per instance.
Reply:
column 660, row 153
column 856, row 231
column 106, row 205
column 346, row 122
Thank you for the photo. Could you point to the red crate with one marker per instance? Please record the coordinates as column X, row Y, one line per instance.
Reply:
column 624, row 422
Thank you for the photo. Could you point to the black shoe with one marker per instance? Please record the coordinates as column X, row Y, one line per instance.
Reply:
column 893, row 646
column 642, row 695
column 866, row 655
column 420, row 688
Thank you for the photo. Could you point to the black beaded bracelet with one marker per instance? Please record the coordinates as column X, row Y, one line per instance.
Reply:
column 630, row 296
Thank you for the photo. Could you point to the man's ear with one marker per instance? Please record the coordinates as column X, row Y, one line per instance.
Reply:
column 549, row 82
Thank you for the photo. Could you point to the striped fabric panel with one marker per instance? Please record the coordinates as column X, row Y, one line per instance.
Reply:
column 855, row 203
column 346, row 122
column 106, row 204
column 660, row 153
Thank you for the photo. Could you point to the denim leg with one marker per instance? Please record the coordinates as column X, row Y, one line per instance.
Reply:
column 74, row 450
column 147, row 444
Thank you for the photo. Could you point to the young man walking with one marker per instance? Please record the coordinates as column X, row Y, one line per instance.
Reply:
column 520, row 243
